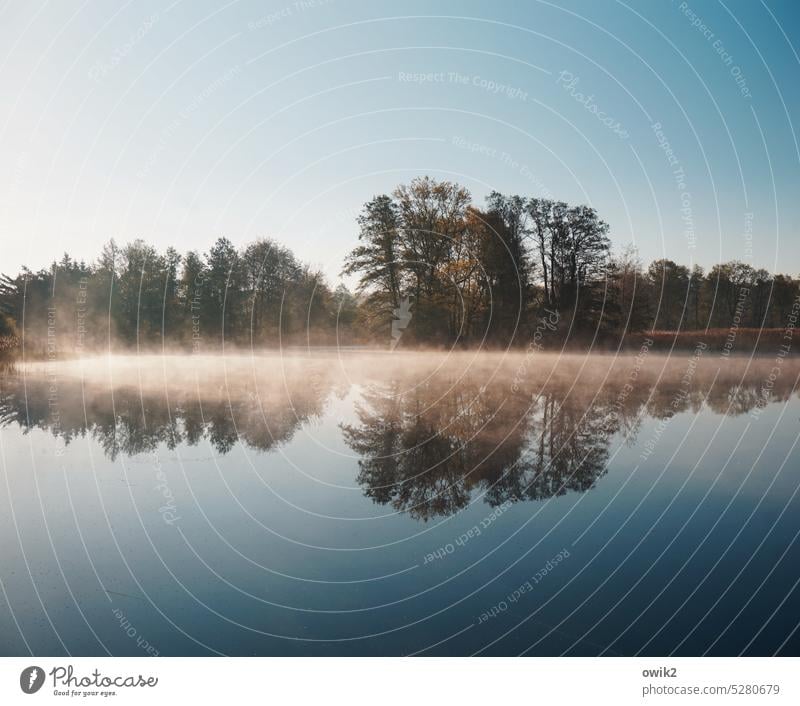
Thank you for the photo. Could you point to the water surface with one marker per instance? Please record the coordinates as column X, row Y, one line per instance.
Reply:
column 352, row 503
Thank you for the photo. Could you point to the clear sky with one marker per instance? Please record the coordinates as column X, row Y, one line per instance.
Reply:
column 181, row 121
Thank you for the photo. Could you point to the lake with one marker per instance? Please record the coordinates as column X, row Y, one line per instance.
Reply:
column 373, row 503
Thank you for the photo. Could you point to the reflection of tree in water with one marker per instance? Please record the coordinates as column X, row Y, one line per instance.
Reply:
column 132, row 420
column 426, row 448
column 413, row 456
column 425, row 451
column 568, row 450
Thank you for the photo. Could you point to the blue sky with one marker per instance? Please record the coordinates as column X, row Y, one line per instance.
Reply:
column 178, row 122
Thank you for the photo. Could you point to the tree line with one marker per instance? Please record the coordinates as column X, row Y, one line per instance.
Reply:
column 432, row 269
column 135, row 296
column 495, row 275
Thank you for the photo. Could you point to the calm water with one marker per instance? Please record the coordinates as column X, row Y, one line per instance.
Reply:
column 362, row 503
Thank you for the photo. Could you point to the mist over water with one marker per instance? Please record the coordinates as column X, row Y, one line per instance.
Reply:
column 350, row 329
column 341, row 501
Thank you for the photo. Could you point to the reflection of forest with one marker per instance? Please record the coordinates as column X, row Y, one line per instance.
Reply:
column 133, row 419
column 426, row 447
column 427, row 450
column 427, row 437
